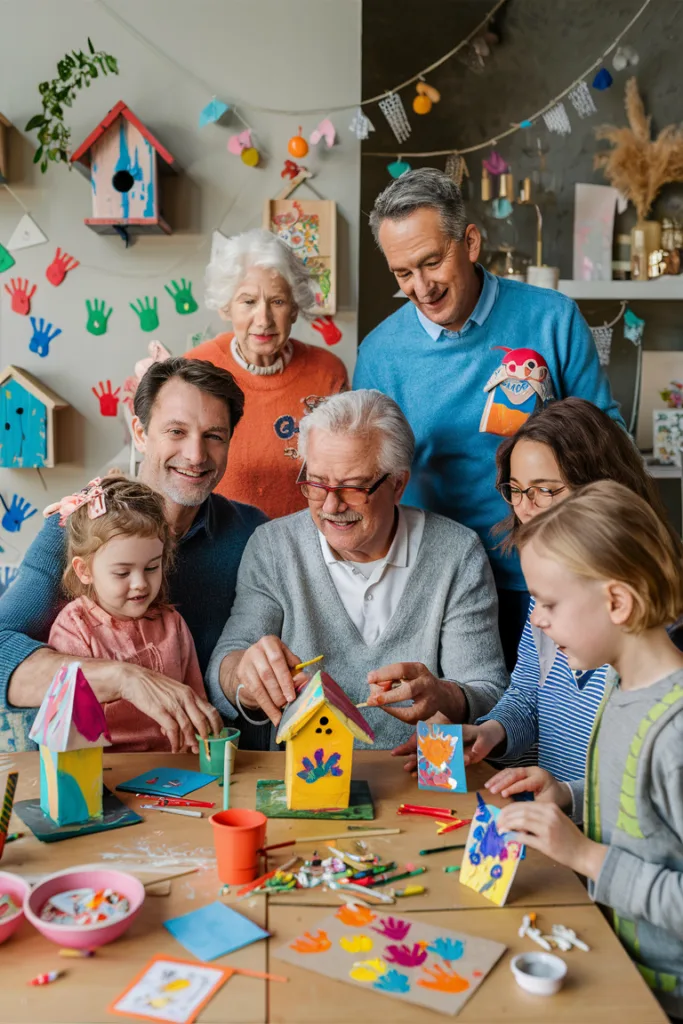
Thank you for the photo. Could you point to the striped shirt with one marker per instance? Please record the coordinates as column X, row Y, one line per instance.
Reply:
column 549, row 704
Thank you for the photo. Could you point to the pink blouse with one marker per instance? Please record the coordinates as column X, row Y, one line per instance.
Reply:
column 160, row 641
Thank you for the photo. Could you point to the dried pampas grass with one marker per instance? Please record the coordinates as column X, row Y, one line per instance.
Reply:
column 637, row 165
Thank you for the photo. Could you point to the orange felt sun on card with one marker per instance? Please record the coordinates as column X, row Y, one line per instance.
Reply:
column 168, row 989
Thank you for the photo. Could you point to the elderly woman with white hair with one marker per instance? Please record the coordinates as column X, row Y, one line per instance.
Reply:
column 260, row 286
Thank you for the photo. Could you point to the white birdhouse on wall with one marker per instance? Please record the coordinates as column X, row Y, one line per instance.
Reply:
column 125, row 163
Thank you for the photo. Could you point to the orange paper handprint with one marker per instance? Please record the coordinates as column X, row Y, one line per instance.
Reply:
column 355, row 916
column 443, row 981
column 318, row 943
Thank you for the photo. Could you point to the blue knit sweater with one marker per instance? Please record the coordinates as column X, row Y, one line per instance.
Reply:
column 439, row 378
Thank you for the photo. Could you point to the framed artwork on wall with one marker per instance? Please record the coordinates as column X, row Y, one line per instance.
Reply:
column 309, row 227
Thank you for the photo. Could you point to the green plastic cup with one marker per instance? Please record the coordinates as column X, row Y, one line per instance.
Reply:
column 212, row 750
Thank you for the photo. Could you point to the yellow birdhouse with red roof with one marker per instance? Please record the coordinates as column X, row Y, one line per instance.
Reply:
column 319, row 728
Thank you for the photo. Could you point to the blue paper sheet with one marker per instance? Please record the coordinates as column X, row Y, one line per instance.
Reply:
column 213, row 931
column 166, row 782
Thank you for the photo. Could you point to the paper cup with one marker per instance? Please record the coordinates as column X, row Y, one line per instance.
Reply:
column 211, row 750
column 238, row 835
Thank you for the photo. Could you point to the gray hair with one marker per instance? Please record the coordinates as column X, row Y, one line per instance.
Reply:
column 365, row 412
column 415, row 190
column 231, row 259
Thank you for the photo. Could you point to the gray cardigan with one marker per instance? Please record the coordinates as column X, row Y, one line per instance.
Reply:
column 447, row 617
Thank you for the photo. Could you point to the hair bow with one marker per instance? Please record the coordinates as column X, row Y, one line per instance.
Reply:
column 91, row 495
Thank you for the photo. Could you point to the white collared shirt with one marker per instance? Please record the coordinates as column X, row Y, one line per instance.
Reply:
column 371, row 591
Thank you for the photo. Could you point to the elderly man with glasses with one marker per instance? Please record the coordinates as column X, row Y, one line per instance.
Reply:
column 391, row 595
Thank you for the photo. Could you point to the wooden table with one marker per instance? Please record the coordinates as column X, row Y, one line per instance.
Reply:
column 598, row 983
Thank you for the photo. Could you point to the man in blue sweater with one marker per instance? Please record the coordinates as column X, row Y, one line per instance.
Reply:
column 468, row 359
column 185, row 413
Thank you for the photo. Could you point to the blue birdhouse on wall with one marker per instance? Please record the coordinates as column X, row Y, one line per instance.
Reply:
column 124, row 161
column 27, row 421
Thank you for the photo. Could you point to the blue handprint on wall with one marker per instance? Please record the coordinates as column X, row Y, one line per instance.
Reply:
column 43, row 334
column 18, row 512
column 8, row 574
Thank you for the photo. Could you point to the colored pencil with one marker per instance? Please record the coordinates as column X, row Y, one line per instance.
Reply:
column 305, row 664
column 444, row 829
column 277, row 846
column 13, row 836
column 258, row 974
column 45, row 979
column 443, row 849
column 387, row 880
column 451, row 868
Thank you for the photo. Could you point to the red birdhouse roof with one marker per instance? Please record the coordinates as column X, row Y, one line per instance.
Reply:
column 82, row 154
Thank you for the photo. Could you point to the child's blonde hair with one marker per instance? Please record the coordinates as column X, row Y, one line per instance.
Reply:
column 606, row 532
column 132, row 510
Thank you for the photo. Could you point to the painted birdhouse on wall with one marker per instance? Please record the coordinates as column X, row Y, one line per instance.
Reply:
column 5, row 127
column 125, row 163
column 28, row 411
column 318, row 729
column 70, row 730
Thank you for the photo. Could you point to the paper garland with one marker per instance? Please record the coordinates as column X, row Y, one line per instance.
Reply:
column 394, row 111
column 633, row 327
column 557, row 121
column 26, row 234
column 361, row 125
column 602, row 336
column 582, row 101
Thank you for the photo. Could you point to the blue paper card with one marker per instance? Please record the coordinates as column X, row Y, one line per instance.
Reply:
column 440, row 758
column 214, row 930
column 166, row 782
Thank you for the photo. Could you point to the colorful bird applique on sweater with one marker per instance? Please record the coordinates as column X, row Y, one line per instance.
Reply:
column 517, row 388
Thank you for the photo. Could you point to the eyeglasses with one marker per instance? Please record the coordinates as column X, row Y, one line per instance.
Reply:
column 541, row 497
column 317, row 492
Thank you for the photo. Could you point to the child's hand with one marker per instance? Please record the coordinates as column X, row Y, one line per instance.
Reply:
column 480, row 740
column 542, row 784
column 546, row 828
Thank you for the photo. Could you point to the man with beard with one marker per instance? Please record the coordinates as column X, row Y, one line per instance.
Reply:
column 387, row 592
column 185, row 414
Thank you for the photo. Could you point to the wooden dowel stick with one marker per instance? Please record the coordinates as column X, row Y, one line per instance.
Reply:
column 349, row 835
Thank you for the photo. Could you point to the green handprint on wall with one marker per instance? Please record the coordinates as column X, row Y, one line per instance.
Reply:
column 97, row 316
column 182, row 296
column 147, row 312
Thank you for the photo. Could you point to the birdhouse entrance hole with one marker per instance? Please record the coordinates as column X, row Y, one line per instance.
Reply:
column 123, row 181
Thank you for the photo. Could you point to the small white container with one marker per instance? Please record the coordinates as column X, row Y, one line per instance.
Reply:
column 539, row 973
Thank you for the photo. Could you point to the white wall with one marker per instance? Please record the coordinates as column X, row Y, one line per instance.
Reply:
column 269, row 53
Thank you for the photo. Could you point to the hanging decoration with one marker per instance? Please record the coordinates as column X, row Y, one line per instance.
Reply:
column 26, row 234
column 60, row 267
column 556, row 120
column 456, row 168
column 602, row 80
column 297, row 146
column 398, row 168
column 427, row 95
column 495, row 164
column 624, row 56
column 6, row 259
column 326, row 131
column 108, row 399
column 98, row 316
column 634, row 327
column 602, row 336
column 582, row 101
column 20, row 295
column 361, row 125
column 394, row 111
column 212, row 112
column 290, row 170
column 241, row 145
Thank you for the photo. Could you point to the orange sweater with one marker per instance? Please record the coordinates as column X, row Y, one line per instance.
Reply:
column 262, row 464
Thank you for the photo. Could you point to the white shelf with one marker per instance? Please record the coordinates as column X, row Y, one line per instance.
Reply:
column 669, row 287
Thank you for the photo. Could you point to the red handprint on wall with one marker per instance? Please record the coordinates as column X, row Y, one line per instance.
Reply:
column 326, row 326
column 107, row 398
column 21, row 296
column 60, row 267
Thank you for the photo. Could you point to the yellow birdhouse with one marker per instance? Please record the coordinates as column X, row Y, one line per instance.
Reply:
column 319, row 729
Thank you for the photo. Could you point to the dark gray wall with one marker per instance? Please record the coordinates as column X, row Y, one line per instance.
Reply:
column 544, row 45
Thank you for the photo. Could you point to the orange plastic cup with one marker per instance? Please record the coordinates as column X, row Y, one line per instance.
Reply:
column 238, row 835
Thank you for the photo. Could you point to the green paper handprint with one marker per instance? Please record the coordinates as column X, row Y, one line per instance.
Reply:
column 97, row 316
column 182, row 296
column 147, row 312
column 6, row 259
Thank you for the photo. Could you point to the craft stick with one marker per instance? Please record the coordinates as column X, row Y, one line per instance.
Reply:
column 173, row 810
column 7, row 804
column 207, row 750
column 263, row 975
column 305, row 664
column 169, row 878
column 345, row 835
column 228, row 758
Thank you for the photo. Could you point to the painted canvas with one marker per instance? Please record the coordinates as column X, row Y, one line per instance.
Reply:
column 408, row 960
column 309, row 227
column 440, row 758
column 491, row 858
column 173, row 990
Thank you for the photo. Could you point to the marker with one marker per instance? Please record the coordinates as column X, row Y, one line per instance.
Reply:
column 74, row 954
column 442, row 849
column 14, row 835
column 173, row 810
column 451, row 868
column 169, row 801
column 46, row 979
column 384, row 880
column 305, row 664
column 410, row 890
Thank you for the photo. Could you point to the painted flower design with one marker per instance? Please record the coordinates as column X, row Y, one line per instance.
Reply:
column 312, row 772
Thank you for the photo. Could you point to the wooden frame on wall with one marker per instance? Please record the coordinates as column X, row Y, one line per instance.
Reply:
column 309, row 227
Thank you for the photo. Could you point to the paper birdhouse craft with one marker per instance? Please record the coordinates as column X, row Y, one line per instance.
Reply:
column 28, row 411
column 319, row 728
column 70, row 730
column 124, row 161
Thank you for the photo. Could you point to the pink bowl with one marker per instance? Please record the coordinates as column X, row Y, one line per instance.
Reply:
column 90, row 936
column 18, row 889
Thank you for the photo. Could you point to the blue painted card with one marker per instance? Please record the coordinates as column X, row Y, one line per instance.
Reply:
column 440, row 758
column 214, row 930
column 166, row 782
